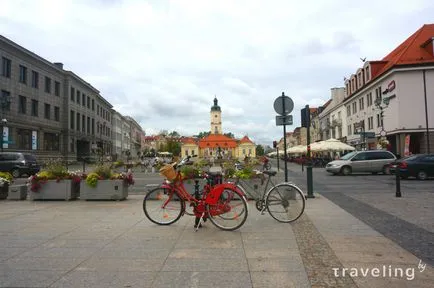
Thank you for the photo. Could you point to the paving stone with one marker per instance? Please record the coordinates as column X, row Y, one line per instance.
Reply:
column 104, row 279
column 275, row 264
column 280, row 279
column 62, row 252
column 206, row 264
column 41, row 263
column 210, row 253
column 215, row 279
column 121, row 264
column 29, row 278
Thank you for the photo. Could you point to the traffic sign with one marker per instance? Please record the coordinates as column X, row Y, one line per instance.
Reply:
column 283, row 101
column 367, row 134
column 283, row 120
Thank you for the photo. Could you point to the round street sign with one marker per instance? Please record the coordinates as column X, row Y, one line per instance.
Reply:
column 283, row 101
column 382, row 133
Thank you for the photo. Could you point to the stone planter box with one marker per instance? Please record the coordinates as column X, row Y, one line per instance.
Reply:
column 4, row 191
column 104, row 190
column 17, row 192
column 53, row 190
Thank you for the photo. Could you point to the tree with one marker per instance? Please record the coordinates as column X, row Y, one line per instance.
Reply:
column 203, row 134
column 174, row 134
column 230, row 135
column 259, row 150
column 173, row 147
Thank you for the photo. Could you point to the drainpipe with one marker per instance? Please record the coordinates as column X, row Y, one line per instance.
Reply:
column 426, row 112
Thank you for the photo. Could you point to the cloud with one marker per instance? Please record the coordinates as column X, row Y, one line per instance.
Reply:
column 162, row 62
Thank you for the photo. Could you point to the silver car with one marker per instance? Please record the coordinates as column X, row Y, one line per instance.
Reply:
column 373, row 161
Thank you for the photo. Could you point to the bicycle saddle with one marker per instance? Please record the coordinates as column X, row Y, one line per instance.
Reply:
column 269, row 173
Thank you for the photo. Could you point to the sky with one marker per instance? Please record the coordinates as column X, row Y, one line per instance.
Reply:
column 162, row 62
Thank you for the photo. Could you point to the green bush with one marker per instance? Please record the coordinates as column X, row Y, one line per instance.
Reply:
column 92, row 179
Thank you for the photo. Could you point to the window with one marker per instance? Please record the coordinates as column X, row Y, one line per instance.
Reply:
column 88, row 125
column 24, row 139
column 47, row 84
column 369, row 99
column 22, row 103
column 97, row 109
column 368, row 74
column 359, row 77
column 88, row 102
column 72, row 94
column 354, row 127
column 349, row 130
column 72, row 145
column 78, row 96
column 83, row 123
column 244, row 151
column 349, row 110
column 78, row 122
column 361, row 104
column 93, row 126
column 35, row 105
column 71, row 119
column 35, row 79
column 57, row 88
column 93, row 104
column 7, row 96
column 56, row 113
column 378, row 93
column 47, row 111
column 186, row 152
column 378, row 120
column 51, row 142
column 83, row 99
column 371, row 123
column 6, row 67
column 354, row 107
column 23, row 74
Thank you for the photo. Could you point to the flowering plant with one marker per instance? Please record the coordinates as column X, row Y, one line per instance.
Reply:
column 104, row 172
column 5, row 178
column 54, row 170
column 383, row 143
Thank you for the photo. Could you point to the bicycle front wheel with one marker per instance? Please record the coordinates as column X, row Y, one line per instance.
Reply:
column 285, row 202
column 230, row 212
column 163, row 206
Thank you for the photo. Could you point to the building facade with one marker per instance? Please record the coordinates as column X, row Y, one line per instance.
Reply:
column 393, row 98
column 121, row 135
column 32, row 95
column 51, row 112
column 217, row 145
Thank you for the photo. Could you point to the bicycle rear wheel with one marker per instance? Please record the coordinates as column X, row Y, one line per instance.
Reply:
column 285, row 202
column 163, row 206
column 230, row 212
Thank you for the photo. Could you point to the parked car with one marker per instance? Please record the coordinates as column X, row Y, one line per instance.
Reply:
column 420, row 166
column 374, row 161
column 18, row 163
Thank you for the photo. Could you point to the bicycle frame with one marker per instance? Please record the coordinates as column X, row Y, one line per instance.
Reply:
column 210, row 196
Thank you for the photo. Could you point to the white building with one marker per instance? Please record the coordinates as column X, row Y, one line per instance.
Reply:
column 332, row 121
column 404, row 80
column 121, row 135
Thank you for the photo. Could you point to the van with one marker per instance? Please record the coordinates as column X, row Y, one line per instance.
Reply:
column 18, row 163
column 373, row 161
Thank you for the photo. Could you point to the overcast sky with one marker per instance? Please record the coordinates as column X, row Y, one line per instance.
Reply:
column 162, row 62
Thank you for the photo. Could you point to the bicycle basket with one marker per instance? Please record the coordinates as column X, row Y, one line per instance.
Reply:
column 168, row 171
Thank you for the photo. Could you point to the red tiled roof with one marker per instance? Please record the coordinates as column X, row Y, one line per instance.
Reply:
column 188, row 140
column 411, row 51
column 217, row 140
column 245, row 139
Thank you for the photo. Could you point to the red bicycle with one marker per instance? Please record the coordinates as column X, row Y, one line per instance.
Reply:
column 224, row 204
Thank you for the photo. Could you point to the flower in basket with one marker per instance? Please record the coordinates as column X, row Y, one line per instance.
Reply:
column 126, row 177
column 54, row 170
column 5, row 178
column 101, row 172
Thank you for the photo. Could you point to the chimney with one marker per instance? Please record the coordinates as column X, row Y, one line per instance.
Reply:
column 58, row 65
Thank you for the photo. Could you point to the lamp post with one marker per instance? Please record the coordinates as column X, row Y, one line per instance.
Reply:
column 382, row 105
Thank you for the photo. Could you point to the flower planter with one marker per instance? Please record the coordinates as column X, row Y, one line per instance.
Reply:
column 17, row 192
column 4, row 189
column 56, row 190
column 104, row 190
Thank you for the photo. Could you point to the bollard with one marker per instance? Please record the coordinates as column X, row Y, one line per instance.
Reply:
column 84, row 165
column 398, row 181
column 302, row 166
